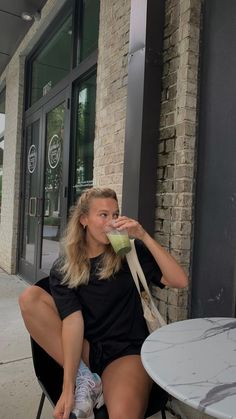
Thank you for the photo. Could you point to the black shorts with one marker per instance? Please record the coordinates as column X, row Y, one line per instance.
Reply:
column 44, row 283
column 101, row 354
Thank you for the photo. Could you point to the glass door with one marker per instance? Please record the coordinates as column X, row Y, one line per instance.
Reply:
column 53, row 186
column 30, row 214
column 44, row 203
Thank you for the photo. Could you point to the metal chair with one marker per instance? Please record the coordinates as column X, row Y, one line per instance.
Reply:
column 50, row 377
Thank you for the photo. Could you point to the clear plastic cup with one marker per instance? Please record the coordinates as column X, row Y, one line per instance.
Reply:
column 119, row 240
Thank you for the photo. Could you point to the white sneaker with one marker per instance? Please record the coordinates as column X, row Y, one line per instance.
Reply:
column 88, row 394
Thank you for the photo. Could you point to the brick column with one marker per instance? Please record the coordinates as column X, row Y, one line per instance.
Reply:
column 177, row 148
column 111, row 93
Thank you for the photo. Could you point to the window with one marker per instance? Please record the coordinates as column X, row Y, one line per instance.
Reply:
column 2, row 129
column 89, row 29
column 70, row 42
column 85, row 123
column 53, row 62
column 66, row 56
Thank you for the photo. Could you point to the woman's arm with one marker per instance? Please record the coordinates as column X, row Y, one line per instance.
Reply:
column 173, row 274
column 72, row 341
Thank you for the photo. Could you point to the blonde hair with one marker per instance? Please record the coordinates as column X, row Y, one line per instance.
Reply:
column 76, row 264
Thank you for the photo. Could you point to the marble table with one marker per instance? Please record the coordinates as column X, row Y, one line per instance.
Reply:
column 195, row 361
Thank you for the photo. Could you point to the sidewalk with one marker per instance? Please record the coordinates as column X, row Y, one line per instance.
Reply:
column 19, row 390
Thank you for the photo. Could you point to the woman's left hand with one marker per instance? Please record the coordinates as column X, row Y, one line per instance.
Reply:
column 133, row 227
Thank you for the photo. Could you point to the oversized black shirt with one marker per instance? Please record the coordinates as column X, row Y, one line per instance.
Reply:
column 111, row 308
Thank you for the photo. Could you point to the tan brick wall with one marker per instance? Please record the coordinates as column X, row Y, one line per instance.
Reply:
column 111, row 93
column 11, row 167
column 177, row 148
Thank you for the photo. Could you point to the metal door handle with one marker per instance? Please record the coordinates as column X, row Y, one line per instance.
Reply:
column 32, row 206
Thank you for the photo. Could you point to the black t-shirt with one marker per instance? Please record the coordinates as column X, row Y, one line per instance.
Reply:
column 111, row 308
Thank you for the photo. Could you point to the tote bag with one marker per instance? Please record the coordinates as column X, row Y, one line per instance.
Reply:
column 151, row 313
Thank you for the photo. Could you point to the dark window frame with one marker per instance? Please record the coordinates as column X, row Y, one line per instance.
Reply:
column 2, row 94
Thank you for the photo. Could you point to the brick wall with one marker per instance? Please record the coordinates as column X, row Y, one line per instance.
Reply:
column 11, row 167
column 177, row 147
column 111, row 93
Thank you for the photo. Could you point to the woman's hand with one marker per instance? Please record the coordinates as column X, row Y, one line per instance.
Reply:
column 72, row 341
column 64, row 405
column 133, row 227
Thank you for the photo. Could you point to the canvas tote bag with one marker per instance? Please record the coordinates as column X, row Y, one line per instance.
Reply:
column 151, row 314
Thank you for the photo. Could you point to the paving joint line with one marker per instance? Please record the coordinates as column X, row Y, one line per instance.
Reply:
column 15, row 360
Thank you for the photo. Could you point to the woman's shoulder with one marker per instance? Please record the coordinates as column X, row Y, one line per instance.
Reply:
column 56, row 267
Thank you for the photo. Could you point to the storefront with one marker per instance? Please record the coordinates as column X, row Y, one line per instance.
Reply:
column 59, row 126
column 64, row 128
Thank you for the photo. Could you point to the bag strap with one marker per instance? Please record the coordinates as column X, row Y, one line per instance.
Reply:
column 130, row 257
column 138, row 274
column 136, row 269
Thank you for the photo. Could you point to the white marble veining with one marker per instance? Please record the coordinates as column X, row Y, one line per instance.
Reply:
column 195, row 361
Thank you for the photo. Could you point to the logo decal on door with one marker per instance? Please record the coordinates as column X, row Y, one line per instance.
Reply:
column 32, row 158
column 54, row 151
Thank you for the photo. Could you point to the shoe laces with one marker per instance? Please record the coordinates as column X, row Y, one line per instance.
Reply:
column 84, row 383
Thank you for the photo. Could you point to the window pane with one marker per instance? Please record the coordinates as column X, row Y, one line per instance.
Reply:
column 52, row 186
column 53, row 63
column 30, row 222
column 85, row 123
column 89, row 30
column 2, row 129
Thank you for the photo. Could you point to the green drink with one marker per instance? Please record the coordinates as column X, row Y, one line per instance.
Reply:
column 119, row 241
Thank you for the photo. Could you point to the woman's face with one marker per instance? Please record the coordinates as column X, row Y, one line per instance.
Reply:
column 101, row 212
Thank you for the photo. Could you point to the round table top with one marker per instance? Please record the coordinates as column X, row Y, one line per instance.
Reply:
column 195, row 361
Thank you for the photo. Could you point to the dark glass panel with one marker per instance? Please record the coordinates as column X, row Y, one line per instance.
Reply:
column 52, row 187
column 53, row 63
column 30, row 222
column 85, row 124
column 89, row 29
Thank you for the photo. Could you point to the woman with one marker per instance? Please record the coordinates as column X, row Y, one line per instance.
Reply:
column 91, row 280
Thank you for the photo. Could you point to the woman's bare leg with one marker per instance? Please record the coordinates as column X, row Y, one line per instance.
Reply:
column 42, row 320
column 43, row 323
column 126, row 388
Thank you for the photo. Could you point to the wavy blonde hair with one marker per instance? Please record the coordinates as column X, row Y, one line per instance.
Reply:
column 76, row 264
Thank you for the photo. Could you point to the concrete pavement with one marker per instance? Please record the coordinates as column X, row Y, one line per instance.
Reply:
column 19, row 389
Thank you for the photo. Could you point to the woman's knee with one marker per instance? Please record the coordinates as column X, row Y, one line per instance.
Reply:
column 31, row 297
column 27, row 298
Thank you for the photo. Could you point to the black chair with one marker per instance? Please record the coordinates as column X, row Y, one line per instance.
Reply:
column 50, row 376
